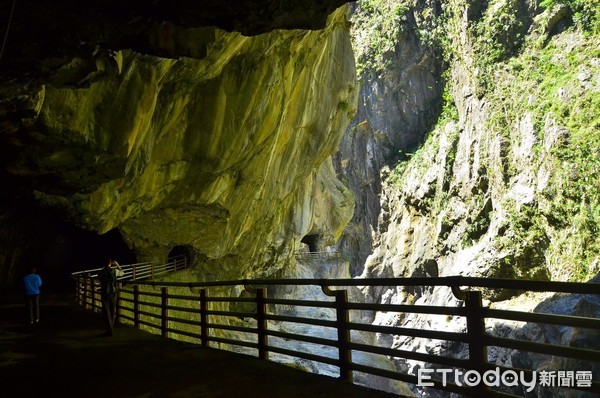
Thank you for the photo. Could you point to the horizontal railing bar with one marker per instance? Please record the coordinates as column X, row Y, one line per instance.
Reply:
column 185, row 333
column 129, row 266
column 301, row 337
column 236, row 314
column 233, row 342
column 450, row 281
column 129, row 318
column 149, row 304
column 231, row 299
column 304, row 355
column 419, row 309
column 407, row 378
column 418, row 356
column 295, row 319
column 428, row 334
column 542, row 348
column 563, row 320
column 301, row 303
column 150, row 324
column 181, row 320
column 149, row 314
column 127, row 299
column 221, row 326
column 184, row 309
column 150, row 294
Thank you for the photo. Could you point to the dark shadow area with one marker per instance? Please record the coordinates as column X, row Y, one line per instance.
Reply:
column 312, row 241
column 55, row 246
column 65, row 356
column 181, row 254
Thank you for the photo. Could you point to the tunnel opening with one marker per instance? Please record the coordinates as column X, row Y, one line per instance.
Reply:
column 312, row 241
column 88, row 250
column 56, row 247
column 180, row 254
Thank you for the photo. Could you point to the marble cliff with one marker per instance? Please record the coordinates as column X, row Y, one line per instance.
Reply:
column 211, row 129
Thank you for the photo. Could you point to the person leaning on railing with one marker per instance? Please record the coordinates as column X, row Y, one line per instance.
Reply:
column 108, row 292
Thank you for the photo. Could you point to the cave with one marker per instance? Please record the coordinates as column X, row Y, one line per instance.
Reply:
column 312, row 241
column 181, row 254
column 56, row 247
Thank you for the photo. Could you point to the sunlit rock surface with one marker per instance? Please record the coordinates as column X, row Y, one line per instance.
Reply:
column 505, row 182
column 227, row 153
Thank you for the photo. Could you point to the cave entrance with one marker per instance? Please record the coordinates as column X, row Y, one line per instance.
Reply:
column 92, row 249
column 181, row 256
column 312, row 241
column 71, row 248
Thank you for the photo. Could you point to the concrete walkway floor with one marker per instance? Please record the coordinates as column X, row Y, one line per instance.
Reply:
column 65, row 355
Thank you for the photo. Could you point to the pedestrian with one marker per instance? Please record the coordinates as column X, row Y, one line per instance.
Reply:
column 31, row 284
column 108, row 293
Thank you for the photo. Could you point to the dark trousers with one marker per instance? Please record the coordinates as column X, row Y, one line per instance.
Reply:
column 109, row 312
column 33, row 307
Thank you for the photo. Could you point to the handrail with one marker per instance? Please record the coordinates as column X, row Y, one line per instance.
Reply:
column 142, row 270
column 448, row 281
column 254, row 323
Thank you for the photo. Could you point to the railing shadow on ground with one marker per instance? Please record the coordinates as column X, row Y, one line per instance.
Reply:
column 217, row 314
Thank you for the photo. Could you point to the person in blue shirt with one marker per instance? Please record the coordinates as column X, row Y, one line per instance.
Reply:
column 31, row 284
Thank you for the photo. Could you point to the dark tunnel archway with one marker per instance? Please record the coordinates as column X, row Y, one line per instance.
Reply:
column 87, row 249
column 312, row 241
column 57, row 248
column 181, row 254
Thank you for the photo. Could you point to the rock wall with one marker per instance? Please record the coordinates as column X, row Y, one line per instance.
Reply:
column 400, row 89
column 509, row 174
column 505, row 182
column 227, row 152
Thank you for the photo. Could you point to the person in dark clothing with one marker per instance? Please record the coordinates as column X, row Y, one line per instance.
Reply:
column 32, row 283
column 108, row 293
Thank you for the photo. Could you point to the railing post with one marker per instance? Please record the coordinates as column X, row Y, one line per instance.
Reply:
column 203, row 318
column 476, row 333
column 96, row 302
column 343, row 331
column 261, row 324
column 79, row 288
column 164, row 315
column 152, row 271
column 133, row 272
column 136, row 306
column 86, row 292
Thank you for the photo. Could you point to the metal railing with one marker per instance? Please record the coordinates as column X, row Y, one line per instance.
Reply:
column 214, row 313
column 324, row 255
column 140, row 271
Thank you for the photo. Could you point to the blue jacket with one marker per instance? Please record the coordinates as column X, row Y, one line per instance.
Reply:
column 32, row 283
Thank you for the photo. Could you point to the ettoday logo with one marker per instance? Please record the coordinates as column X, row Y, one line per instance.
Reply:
column 506, row 378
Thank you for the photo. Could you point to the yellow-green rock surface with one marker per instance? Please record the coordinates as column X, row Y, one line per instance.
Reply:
column 228, row 153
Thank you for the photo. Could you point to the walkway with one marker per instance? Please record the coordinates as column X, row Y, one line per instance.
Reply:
column 67, row 356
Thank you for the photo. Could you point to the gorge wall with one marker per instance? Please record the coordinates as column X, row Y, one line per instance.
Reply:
column 494, row 169
column 191, row 136
column 483, row 154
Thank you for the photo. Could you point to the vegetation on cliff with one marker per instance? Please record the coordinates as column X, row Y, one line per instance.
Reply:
column 508, row 180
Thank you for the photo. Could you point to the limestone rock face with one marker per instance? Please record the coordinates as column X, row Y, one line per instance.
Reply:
column 399, row 99
column 510, row 167
column 505, row 184
column 227, row 153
